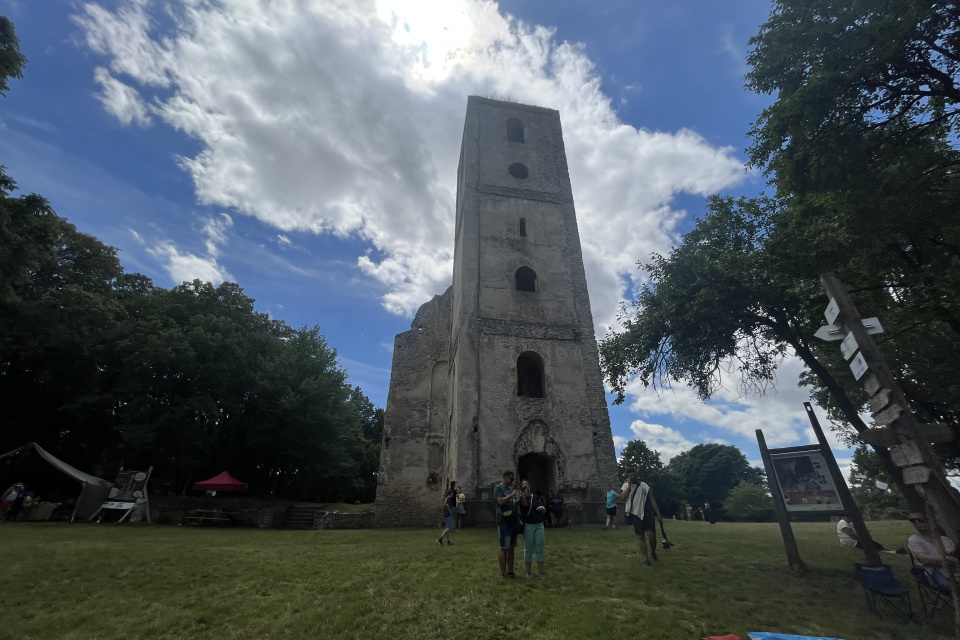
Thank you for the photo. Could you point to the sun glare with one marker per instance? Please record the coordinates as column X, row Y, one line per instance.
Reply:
column 435, row 31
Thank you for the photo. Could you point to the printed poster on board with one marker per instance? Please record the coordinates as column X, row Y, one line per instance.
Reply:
column 805, row 482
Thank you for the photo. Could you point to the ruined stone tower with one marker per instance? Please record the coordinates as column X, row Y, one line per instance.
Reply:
column 502, row 370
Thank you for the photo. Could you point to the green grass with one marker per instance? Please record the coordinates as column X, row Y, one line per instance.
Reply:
column 104, row 582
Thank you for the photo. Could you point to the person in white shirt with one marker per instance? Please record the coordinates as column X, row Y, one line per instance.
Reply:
column 849, row 538
column 931, row 552
column 640, row 509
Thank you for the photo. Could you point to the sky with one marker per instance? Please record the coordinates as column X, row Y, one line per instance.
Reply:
column 308, row 149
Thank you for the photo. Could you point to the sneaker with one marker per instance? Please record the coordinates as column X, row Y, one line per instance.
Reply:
column 511, row 575
column 654, row 556
column 604, row 528
column 440, row 541
column 449, row 544
column 646, row 563
column 528, row 575
column 543, row 575
column 613, row 526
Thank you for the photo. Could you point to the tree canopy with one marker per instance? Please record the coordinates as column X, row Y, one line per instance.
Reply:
column 708, row 472
column 107, row 369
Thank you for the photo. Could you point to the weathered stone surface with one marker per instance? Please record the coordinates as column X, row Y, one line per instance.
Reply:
column 463, row 403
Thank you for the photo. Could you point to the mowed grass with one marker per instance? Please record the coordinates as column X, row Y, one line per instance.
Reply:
column 110, row 582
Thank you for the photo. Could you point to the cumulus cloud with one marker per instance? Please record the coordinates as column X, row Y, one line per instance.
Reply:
column 779, row 413
column 345, row 117
column 120, row 100
column 184, row 266
column 669, row 442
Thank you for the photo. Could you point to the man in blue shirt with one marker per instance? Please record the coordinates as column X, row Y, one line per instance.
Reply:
column 611, row 508
column 508, row 522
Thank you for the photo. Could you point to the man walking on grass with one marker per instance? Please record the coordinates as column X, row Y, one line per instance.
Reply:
column 640, row 509
column 508, row 523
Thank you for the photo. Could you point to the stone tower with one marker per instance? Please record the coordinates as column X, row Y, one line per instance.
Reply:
column 502, row 370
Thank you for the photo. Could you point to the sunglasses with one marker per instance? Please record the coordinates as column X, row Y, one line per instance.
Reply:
column 916, row 520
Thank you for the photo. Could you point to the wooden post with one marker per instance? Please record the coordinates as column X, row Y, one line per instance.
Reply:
column 846, row 498
column 920, row 464
column 780, row 509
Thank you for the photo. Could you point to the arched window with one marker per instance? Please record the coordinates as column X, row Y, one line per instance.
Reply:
column 523, row 227
column 529, row 376
column 514, row 130
column 526, row 279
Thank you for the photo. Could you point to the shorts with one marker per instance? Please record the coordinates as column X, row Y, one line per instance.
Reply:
column 646, row 523
column 508, row 535
column 612, row 511
column 448, row 522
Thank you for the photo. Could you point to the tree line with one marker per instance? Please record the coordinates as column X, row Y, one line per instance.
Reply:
column 861, row 151
column 712, row 473
column 105, row 368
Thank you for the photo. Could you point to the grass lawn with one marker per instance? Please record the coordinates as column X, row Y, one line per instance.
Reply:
column 104, row 582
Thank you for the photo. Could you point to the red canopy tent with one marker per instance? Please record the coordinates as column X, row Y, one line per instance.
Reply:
column 221, row 482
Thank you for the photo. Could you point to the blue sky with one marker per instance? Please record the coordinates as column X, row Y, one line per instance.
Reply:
column 308, row 151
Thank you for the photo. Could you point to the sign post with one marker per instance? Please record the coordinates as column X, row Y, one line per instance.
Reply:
column 780, row 509
column 909, row 441
column 843, row 492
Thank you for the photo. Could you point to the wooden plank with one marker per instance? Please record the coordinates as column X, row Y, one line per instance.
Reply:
column 936, row 432
column 888, row 415
column 880, row 401
column 916, row 475
column 880, row 437
column 871, row 384
column 906, row 454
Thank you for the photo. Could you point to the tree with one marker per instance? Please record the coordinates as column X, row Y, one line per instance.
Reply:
column 873, row 501
column 11, row 60
column 708, row 472
column 846, row 70
column 749, row 502
column 637, row 455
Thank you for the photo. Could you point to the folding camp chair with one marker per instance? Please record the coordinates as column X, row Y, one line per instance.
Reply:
column 935, row 594
column 881, row 588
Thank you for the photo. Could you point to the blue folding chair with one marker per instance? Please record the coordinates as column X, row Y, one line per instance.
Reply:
column 933, row 596
column 882, row 590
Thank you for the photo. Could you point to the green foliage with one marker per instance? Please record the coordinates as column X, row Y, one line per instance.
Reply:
column 637, row 455
column 104, row 368
column 11, row 60
column 875, row 503
column 749, row 502
column 708, row 472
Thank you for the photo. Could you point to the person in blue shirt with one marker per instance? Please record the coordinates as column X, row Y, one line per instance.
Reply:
column 611, row 508
column 556, row 508
column 508, row 522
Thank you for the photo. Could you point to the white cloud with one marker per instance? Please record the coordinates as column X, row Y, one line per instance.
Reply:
column 120, row 100
column 283, row 240
column 779, row 413
column 669, row 442
column 184, row 266
column 345, row 117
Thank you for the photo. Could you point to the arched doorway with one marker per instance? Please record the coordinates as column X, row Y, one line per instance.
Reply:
column 540, row 470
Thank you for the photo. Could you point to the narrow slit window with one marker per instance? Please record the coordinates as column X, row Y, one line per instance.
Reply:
column 514, row 130
column 526, row 279
column 523, row 227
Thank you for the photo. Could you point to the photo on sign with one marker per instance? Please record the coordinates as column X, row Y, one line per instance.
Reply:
column 805, row 482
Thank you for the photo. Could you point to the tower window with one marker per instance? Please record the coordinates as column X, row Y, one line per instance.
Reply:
column 514, row 130
column 523, row 227
column 529, row 376
column 518, row 170
column 526, row 279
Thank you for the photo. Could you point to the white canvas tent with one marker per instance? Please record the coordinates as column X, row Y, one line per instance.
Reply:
column 22, row 463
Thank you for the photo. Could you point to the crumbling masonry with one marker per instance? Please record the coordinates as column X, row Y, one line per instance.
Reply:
column 502, row 370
